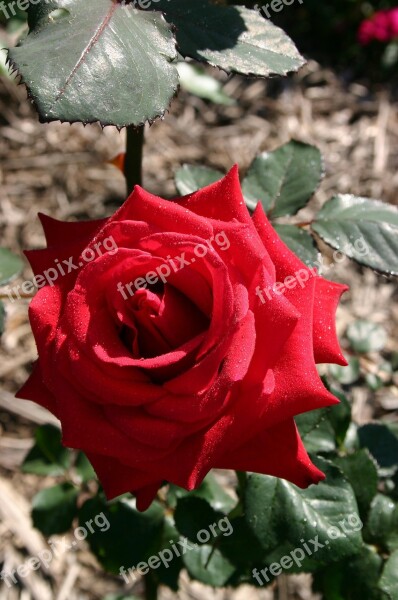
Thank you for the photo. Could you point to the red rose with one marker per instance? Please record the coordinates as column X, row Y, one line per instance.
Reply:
column 160, row 374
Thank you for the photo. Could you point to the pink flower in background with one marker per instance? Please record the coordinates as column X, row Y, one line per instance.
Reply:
column 383, row 26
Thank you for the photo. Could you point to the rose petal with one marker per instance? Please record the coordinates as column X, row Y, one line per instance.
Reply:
column 59, row 233
column 277, row 451
column 222, row 200
column 326, row 344
column 35, row 390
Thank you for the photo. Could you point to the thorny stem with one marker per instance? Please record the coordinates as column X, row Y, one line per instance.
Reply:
column 133, row 158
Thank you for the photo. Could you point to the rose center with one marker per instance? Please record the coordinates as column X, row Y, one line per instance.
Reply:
column 162, row 321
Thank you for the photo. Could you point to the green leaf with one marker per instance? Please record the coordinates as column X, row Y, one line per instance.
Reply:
column 240, row 547
column 10, row 266
column 277, row 510
column 208, row 565
column 362, row 573
column 209, row 489
column 353, row 579
column 196, row 81
column 48, row 456
column 316, row 431
column 346, row 375
column 97, row 60
column 84, row 468
column 168, row 573
column 363, row 229
column 285, row 179
column 300, row 242
column 361, row 472
column 329, row 581
column 54, row 508
column 215, row 494
column 131, row 537
column 339, row 415
column 365, row 336
column 389, row 579
column 205, row 515
column 190, row 178
column 382, row 445
column 382, row 524
column 351, row 440
column 233, row 38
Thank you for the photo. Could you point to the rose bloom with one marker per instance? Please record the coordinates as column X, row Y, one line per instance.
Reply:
column 382, row 26
column 162, row 380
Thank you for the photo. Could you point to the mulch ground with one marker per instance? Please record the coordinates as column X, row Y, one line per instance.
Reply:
column 62, row 170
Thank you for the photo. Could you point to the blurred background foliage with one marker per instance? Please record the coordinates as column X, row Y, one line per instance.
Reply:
column 327, row 31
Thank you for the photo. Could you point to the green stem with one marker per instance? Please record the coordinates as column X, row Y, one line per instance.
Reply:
column 133, row 158
column 151, row 587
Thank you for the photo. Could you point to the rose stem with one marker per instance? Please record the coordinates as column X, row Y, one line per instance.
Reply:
column 133, row 158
